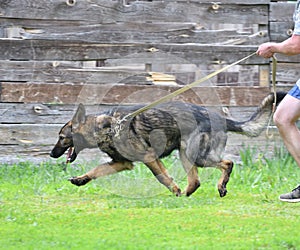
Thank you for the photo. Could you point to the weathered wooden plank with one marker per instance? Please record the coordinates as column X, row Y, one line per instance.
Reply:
column 57, row 71
column 242, row 75
column 282, row 11
column 127, row 94
column 280, row 31
column 40, row 153
column 287, row 72
column 39, row 113
column 264, row 76
column 29, row 134
column 104, row 11
column 281, row 20
column 287, row 59
column 163, row 32
column 72, row 51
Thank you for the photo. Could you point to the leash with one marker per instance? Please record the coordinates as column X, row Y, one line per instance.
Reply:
column 119, row 123
column 274, row 70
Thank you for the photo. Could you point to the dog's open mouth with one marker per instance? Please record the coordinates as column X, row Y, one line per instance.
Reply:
column 71, row 155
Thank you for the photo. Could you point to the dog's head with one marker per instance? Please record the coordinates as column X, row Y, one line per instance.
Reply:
column 66, row 137
column 79, row 133
column 64, row 143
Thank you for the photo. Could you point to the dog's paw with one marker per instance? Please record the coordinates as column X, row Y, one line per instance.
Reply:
column 80, row 180
column 176, row 190
column 178, row 194
column 222, row 192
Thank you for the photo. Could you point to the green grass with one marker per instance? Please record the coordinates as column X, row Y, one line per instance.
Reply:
column 40, row 209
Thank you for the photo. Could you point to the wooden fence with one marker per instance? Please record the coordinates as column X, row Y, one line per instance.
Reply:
column 103, row 53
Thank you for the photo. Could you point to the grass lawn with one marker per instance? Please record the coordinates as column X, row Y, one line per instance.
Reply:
column 40, row 209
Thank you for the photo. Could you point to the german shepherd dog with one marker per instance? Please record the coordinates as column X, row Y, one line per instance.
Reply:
column 198, row 134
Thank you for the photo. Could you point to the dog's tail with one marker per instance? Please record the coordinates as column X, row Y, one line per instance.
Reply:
column 259, row 120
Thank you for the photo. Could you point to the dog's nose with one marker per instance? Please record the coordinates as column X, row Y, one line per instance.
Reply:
column 51, row 154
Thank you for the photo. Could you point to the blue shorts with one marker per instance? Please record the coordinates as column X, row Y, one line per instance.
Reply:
column 295, row 92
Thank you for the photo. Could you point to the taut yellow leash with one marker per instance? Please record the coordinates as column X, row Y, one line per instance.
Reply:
column 119, row 126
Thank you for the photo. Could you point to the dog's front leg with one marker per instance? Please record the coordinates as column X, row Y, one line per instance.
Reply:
column 160, row 172
column 102, row 170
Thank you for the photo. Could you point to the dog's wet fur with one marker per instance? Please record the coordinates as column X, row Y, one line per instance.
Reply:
column 198, row 134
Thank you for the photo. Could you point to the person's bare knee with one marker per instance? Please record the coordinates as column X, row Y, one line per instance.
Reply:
column 277, row 119
column 287, row 112
column 282, row 119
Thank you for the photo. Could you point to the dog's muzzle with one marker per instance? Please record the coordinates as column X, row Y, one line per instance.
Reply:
column 58, row 152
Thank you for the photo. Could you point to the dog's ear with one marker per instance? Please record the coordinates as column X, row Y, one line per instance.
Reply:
column 79, row 117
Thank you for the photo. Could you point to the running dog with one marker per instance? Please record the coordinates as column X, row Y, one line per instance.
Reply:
column 198, row 134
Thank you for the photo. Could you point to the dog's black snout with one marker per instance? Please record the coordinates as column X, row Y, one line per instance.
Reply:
column 56, row 153
column 51, row 154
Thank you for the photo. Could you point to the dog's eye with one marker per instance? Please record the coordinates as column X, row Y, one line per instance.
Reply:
column 61, row 138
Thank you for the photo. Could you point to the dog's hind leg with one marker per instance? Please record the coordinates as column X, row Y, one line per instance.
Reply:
column 160, row 172
column 226, row 167
column 102, row 170
column 192, row 175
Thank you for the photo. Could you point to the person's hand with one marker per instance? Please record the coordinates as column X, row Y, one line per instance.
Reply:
column 265, row 50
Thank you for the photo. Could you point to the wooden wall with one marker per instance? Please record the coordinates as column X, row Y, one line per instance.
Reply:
column 103, row 53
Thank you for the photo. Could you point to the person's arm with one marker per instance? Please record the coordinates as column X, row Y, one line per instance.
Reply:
column 289, row 47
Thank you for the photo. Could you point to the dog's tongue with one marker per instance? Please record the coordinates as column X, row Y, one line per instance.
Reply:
column 69, row 154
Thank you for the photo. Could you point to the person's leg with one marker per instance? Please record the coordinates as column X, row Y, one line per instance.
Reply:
column 285, row 117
